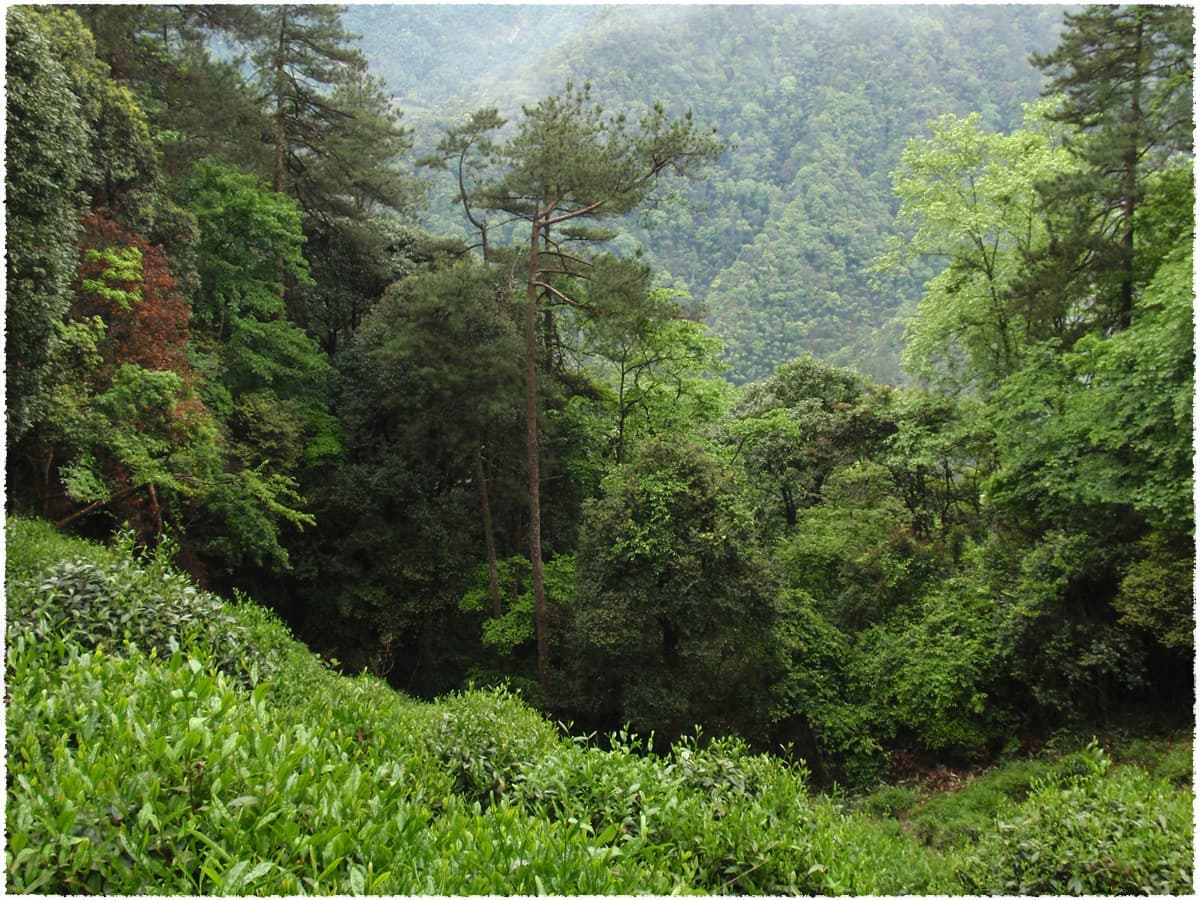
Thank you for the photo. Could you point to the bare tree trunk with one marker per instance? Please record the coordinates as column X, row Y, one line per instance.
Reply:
column 488, row 539
column 533, row 452
column 277, row 174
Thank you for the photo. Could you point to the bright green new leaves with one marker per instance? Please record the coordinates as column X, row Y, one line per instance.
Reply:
column 512, row 632
column 971, row 199
column 657, row 367
column 1109, row 424
column 233, row 761
column 1138, row 406
column 268, row 377
column 250, row 242
column 1102, row 830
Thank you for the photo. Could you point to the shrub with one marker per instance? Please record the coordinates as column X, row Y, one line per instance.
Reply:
column 889, row 801
column 487, row 738
column 1093, row 831
column 131, row 775
column 32, row 544
column 118, row 603
column 962, row 817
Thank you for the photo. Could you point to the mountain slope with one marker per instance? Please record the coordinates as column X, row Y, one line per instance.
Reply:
column 778, row 241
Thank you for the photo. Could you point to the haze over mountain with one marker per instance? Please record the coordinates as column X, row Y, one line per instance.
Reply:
column 777, row 243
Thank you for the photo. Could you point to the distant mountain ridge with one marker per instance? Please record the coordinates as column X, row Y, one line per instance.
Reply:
column 778, row 241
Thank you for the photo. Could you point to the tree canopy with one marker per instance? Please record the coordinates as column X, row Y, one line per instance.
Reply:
column 619, row 420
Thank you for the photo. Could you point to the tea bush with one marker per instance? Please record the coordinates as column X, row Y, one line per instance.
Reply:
column 113, row 602
column 132, row 774
column 487, row 738
column 198, row 749
column 1092, row 831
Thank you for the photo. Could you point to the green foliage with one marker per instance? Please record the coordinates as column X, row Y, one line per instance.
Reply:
column 487, row 739
column 428, row 388
column 1136, row 416
column 673, row 618
column 853, row 552
column 115, row 605
column 250, row 238
column 513, row 631
column 46, row 156
column 1057, row 634
column 268, row 378
column 30, row 545
column 658, row 368
column 972, row 198
column 1102, row 831
column 132, row 771
column 796, row 427
column 1154, row 590
column 930, row 675
column 890, row 801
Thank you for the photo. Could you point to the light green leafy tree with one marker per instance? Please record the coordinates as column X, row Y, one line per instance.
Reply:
column 266, row 379
column 970, row 198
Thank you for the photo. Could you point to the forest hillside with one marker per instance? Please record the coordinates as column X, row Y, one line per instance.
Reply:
column 196, row 747
column 435, row 385
column 779, row 241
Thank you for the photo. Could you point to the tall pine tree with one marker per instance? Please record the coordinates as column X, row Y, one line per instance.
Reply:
column 568, row 164
column 1125, row 77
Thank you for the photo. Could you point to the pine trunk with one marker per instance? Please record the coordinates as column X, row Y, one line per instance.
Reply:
column 488, row 538
column 533, row 452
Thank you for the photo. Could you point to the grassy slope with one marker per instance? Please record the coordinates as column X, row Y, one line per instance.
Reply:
column 161, row 741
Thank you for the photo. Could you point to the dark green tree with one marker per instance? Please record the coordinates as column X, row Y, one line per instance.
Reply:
column 792, row 430
column 332, row 131
column 197, row 105
column 47, row 156
column 673, row 619
column 468, row 148
column 428, row 396
column 1125, row 77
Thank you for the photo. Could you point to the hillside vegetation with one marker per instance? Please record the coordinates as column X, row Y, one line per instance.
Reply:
column 780, row 239
column 496, row 448
column 159, row 740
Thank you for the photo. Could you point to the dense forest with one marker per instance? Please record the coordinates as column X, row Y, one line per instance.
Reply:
column 839, row 404
column 778, row 241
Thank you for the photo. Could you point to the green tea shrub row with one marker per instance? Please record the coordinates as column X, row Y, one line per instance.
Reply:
column 715, row 817
column 113, row 601
column 132, row 775
column 1094, row 831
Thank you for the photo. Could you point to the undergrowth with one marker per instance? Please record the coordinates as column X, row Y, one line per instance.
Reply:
column 162, row 741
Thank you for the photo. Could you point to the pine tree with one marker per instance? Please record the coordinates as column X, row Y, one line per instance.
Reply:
column 570, row 163
column 1125, row 77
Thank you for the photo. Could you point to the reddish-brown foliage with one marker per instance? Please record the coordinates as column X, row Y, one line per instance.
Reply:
column 153, row 331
